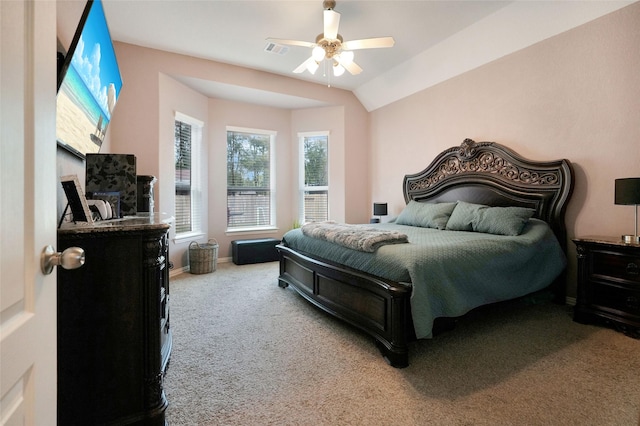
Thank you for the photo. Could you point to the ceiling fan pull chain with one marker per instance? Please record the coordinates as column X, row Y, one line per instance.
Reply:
column 327, row 72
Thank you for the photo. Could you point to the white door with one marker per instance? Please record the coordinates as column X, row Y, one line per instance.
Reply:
column 27, row 212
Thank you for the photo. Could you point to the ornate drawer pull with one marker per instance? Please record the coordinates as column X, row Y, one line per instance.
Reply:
column 633, row 302
column 632, row 269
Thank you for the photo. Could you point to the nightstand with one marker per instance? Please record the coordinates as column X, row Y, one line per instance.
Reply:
column 608, row 284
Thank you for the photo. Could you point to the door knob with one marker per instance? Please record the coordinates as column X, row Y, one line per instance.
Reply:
column 71, row 258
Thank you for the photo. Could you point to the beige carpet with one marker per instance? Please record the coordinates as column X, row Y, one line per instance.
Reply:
column 247, row 352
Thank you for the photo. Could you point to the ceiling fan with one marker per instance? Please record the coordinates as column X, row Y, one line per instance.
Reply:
column 331, row 46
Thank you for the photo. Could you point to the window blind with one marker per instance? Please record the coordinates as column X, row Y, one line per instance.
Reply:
column 183, row 215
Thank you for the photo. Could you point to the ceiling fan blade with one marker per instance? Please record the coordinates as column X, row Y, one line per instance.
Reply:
column 310, row 64
column 331, row 23
column 291, row 42
column 369, row 43
column 352, row 67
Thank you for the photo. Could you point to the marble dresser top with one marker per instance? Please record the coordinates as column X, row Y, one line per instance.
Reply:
column 127, row 223
column 615, row 241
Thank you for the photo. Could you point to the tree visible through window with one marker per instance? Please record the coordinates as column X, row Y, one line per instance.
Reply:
column 315, row 181
column 249, row 183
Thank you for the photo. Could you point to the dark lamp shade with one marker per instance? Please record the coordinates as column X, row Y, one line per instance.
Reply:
column 627, row 191
column 379, row 209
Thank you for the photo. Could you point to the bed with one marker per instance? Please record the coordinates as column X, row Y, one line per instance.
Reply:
column 449, row 266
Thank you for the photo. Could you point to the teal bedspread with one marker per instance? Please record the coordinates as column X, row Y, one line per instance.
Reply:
column 452, row 272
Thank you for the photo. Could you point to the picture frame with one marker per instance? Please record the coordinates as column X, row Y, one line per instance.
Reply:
column 76, row 200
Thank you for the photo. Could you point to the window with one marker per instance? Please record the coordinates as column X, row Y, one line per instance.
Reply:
column 188, row 199
column 250, row 179
column 314, row 177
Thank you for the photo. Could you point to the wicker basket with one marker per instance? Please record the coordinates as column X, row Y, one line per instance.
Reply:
column 203, row 258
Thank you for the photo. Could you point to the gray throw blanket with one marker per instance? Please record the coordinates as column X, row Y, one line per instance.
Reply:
column 356, row 237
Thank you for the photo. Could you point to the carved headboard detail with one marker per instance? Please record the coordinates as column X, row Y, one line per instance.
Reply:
column 491, row 174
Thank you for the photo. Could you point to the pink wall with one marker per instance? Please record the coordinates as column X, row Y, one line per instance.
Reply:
column 573, row 96
column 142, row 123
column 176, row 97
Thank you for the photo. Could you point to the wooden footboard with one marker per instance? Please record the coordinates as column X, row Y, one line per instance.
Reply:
column 379, row 307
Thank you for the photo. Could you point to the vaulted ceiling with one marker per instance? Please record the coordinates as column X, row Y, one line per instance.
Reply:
column 434, row 40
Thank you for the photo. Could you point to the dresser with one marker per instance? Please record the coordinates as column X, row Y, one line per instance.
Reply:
column 114, row 335
column 608, row 283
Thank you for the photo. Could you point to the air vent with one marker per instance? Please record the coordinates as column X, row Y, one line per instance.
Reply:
column 278, row 49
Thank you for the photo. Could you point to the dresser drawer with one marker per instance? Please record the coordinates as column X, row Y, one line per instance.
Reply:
column 608, row 288
column 611, row 297
column 617, row 266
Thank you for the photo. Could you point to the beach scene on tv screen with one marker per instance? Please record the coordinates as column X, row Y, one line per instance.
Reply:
column 90, row 88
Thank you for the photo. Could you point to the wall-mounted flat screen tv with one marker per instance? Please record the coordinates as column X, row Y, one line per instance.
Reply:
column 89, row 84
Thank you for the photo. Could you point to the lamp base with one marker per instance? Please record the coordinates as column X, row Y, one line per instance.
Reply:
column 631, row 239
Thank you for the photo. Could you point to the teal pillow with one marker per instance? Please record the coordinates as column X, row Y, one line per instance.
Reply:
column 426, row 215
column 490, row 220
column 462, row 216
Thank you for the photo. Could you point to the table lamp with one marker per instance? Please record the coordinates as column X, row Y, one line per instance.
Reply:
column 379, row 209
column 628, row 193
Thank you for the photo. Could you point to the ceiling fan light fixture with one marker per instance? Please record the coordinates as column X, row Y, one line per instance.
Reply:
column 318, row 53
column 346, row 57
column 331, row 46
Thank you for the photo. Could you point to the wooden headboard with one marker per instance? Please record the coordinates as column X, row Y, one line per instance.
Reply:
column 491, row 174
